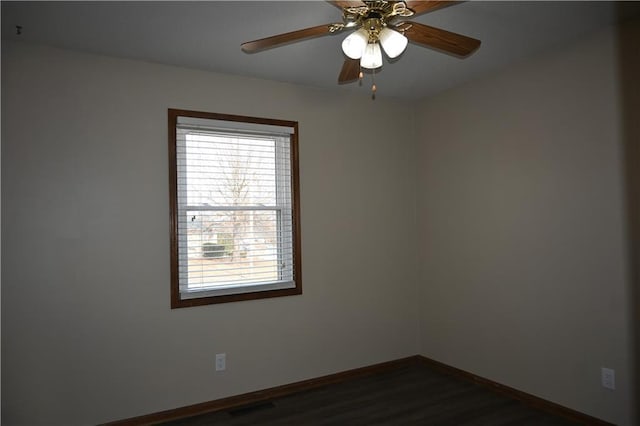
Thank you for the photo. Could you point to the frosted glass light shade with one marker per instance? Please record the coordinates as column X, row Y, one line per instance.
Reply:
column 353, row 46
column 392, row 42
column 372, row 57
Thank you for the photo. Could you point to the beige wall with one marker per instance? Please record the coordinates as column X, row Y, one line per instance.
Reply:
column 522, row 222
column 87, row 333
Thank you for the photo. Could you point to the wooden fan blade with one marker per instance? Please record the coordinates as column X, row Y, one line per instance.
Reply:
column 424, row 6
column 350, row 71
column 280, row 39
column 440, row 39
column 346, row 3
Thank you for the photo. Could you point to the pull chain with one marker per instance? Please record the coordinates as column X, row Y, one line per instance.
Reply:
column 373, row 84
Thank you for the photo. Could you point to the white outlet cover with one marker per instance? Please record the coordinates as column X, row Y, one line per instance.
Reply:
column 221, row 362
column 608, row 378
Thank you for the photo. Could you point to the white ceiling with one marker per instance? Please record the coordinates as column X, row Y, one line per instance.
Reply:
column 207, row 35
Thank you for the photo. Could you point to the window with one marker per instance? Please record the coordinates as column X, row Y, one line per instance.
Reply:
column 235, row 222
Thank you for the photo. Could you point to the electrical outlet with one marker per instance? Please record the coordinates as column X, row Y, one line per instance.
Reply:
column 608, row 378
column 221, row 362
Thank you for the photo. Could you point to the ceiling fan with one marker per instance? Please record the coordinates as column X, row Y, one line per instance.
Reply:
column 376, row 24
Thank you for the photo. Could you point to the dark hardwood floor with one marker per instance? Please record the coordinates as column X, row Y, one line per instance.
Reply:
column 413, row 394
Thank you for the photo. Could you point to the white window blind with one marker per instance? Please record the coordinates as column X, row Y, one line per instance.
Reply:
column 234, row 207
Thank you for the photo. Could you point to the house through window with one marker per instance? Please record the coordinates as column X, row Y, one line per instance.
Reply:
column 234, row 208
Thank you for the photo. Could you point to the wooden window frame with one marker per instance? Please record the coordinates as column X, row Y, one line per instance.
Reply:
column 176, row 300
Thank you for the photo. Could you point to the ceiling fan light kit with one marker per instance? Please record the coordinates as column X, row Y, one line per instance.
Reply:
column 376, row 24
column 361, row 45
